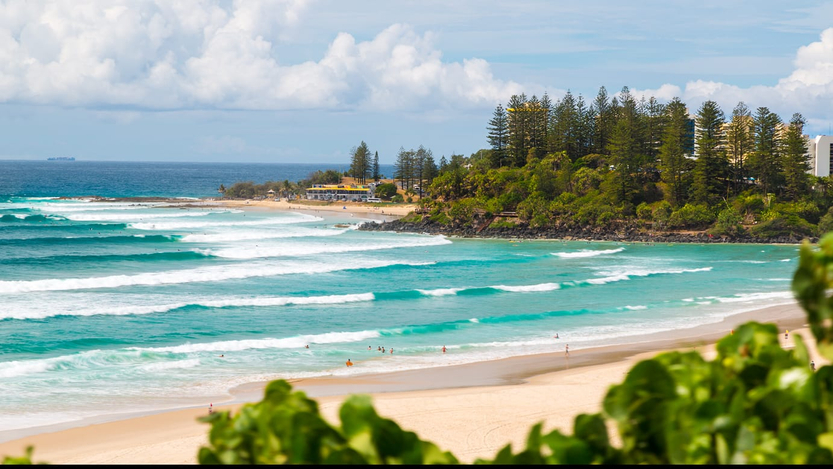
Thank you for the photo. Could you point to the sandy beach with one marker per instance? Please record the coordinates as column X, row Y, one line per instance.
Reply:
column 472, row 410
column 388, row 212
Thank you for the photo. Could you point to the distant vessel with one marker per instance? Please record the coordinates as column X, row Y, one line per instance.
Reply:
column 61, row 158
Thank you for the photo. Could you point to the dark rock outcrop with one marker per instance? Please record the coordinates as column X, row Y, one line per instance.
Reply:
column 625, row 232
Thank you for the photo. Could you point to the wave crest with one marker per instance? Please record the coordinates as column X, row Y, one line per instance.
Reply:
column 586, row 253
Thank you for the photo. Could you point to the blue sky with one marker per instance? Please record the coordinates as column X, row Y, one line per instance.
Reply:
column 306, row 80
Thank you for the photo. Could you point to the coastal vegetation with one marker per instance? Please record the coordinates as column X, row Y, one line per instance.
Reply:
column 636, row 165
column 756, row 402
column 250, row 190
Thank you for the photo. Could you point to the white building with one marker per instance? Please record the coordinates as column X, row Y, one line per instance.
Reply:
column 820, row 153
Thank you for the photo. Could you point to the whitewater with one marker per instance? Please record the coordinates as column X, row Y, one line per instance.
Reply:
column 122, row 307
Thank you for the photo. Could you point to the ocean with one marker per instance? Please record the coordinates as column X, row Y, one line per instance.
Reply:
column 114, row 308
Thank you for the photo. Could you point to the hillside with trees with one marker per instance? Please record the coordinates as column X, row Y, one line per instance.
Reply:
column 622, row 167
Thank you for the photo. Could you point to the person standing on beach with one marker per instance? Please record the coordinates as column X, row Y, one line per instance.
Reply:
column 567, row 350
column 812, row 365
column 443, row 348
column 349, row 363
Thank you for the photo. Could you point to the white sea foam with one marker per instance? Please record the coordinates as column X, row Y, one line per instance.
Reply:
column 23, row 367
column 635, row 308
column 528, row 288
column 204, row 274
column 288, row 342
column 290, row 300
column 586, row 253
column 127, row 216
column 785, row 260
column 305, row 249
column 89, row 207
column 77, row 308
column 441, row 291
column 246, row 235
column 626, row 275
column 187, row 225
column 80, row 309
column 744, row 297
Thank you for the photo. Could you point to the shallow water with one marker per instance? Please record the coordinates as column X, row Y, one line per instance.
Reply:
column 119, row 307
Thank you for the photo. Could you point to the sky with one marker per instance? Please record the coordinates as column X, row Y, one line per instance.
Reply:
column 306, row 80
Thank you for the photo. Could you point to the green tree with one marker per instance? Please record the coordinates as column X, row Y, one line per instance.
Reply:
column 625, row 149
column 604, row 121
column 654, row 126
column 739, row 142
column 499, row 137
column 796, row 166
column 361, row 165
column 429, row 169
column 673, row 162
column 765, row 161
column 565, row 127
column 518, row 129
column 711, row 167
column 376, row 166
column 405, row 167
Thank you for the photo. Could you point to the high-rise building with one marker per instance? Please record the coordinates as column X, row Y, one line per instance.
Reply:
column 820, row 153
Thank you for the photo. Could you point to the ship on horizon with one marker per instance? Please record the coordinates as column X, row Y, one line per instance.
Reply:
column 61, row 158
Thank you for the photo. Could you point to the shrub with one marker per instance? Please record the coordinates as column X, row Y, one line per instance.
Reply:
column 594, row 212
column 790, row 225
column 662, row 212
column 534, row 208
column 397, row 199
column 691, row 216
column 441, row 218
column 463, row 210
column 728, row 222
column 287, row 428
column 585, row 180
column 411, row 218
column 644, row 212
column 503, row 224
column 385, row 191
column 826, row 222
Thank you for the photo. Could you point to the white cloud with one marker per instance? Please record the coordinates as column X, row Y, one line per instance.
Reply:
column 808, row 89
column 198, row 54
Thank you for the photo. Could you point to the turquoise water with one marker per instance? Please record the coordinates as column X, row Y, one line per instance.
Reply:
column 118, row 307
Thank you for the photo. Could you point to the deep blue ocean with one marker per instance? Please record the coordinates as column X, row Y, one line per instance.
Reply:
column 133, row 179
column 114, row 307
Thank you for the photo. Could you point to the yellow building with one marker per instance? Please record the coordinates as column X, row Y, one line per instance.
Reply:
column 344, row 192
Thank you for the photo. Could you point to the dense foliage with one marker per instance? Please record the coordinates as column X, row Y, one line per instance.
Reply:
column 754, row 403
column 250, row 190
column 415, row 169
column 624, row 161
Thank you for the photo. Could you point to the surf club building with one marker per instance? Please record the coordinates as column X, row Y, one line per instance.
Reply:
column 820, row 154
column 343, row 192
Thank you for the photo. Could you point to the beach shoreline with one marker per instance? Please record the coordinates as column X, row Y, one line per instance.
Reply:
column 478, row 395
column 388, row 218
